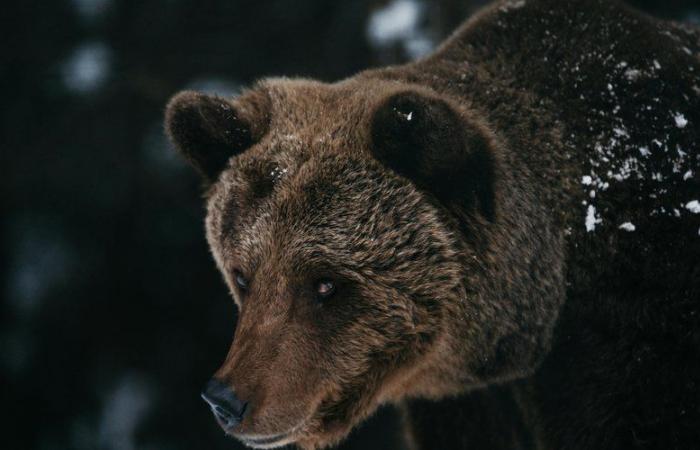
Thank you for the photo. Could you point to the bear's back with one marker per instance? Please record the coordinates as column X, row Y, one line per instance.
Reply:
column 625, row 91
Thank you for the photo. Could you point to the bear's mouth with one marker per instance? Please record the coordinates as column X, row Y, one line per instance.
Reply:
column 262, row 442
column 306, row 429
column 271, row 440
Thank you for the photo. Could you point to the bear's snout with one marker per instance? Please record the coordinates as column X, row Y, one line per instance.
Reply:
column 225, row 405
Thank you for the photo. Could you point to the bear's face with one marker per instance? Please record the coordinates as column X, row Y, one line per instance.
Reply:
column 326, row 217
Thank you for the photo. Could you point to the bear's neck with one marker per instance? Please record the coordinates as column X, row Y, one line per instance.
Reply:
column 486, row 418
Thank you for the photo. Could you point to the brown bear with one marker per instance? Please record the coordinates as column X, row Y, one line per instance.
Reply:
column 501, row 238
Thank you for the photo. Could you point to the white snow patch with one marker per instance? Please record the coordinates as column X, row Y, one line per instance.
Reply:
column 86, row 70
column 627, row 226
column 591, row 219
column 587, row 180
column 633, row 74
column 513, row 4
column 395, row 21
column 644, row 151
column 693, row 206
column 419, row 46
column 620, row 132
column 688, row 175
column 681, row 121
column 399, row 22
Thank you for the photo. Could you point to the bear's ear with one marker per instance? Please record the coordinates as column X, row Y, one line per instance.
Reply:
column 433, row 143
column 209, row 130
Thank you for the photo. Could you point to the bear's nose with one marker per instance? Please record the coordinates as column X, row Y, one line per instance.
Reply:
column 227, row 408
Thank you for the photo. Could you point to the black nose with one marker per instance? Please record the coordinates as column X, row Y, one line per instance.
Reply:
column 224, row 403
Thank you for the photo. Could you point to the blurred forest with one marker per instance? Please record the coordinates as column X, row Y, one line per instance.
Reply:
column 113, row 314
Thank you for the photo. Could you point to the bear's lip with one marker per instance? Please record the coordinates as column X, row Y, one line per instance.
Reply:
column 271, row 441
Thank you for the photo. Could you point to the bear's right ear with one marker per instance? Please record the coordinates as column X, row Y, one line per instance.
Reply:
column 209, row 130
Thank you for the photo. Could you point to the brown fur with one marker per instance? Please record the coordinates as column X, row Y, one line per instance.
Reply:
column 440, row 196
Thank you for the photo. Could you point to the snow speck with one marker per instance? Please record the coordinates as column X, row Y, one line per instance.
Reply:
column 587, row 180
column 633, row 74
column 277, row 173
column 591, row 219
column 620, row 132
column 627, row 226
column 644, row 151
column 409, row 117
column 688, row 175
column 693, row 206
column 513, row 4
column 681, row 121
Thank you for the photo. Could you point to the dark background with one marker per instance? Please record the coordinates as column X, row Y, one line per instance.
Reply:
column 112, row 313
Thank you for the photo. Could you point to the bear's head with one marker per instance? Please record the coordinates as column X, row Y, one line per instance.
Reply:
column 344, row 219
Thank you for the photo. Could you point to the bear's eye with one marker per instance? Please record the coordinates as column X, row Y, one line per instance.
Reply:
column 325, row 288
column 241, row 281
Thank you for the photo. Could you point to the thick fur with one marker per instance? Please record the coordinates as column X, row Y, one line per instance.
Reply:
column 475, row 209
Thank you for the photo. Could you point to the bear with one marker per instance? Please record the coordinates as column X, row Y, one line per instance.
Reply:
column 501, row 238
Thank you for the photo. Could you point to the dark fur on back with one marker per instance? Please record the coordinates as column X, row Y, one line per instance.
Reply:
column 514, row 211
column 619, row 87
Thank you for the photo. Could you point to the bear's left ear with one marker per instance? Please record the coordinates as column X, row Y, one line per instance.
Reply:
column 432, row 142
column 209, row 130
